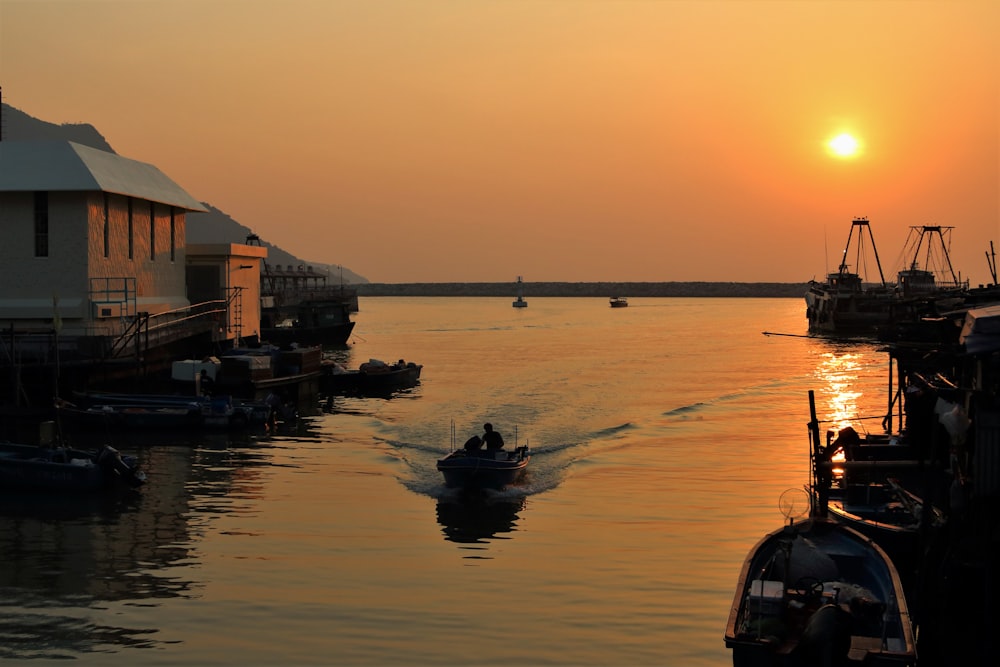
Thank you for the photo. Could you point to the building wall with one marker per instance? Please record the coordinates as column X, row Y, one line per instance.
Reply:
column 216, row 270
column 29, row 284
column 158, row 284
column 143, row 282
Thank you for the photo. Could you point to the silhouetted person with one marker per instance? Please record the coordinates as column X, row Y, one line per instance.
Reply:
column 493, row 439
column 207, row 384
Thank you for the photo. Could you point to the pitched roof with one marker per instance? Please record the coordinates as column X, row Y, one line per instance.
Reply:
column 66, row 166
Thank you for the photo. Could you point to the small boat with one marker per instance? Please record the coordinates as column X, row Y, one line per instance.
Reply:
column 163, row 411
column 62, row 469
column 519, row 302
column 887, row 513
column 484, row 469
column 619, row 302
column 816, row 592
column 372, row 378
column 473, row 468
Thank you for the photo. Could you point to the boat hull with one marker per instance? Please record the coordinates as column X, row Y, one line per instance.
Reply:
column 34, row 468
column 484, row 470
column 817, row 590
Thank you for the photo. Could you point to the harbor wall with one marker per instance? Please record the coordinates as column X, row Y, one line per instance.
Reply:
column 589, row 289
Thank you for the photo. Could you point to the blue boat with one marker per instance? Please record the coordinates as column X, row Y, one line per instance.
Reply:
column 816, row 592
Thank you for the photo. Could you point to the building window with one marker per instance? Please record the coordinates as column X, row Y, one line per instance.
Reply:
column 173, row 237
column 41, row 224
column 107, row 226
column 152, row 231
column 131, row 230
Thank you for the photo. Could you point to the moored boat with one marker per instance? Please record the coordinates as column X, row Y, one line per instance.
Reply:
column 889, row 514
column 372, row 378
column 162, row 411
column 44, row 468
column 815, row 592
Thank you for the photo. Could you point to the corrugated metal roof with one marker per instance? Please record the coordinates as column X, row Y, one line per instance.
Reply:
column 35, row 166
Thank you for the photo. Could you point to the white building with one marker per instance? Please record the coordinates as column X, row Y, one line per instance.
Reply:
column 90, row 238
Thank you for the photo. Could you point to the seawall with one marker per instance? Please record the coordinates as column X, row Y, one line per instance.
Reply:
column 588, row 289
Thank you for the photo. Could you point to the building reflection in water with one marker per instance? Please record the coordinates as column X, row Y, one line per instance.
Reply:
column 474, row 518
column 65, row 557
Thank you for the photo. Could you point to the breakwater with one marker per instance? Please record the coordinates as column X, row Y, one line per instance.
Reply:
column 589, row 289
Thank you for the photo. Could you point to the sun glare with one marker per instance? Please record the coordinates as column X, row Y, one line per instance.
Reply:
column 843, row 145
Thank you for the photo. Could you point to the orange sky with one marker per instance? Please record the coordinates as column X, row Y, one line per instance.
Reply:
column 563, row 140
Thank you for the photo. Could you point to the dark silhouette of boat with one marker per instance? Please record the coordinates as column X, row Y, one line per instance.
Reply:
column 848, row 304
column 42, row 468
column 619, row 302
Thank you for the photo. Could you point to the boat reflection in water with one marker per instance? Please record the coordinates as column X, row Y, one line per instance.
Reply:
column 112, row 552
column 473, row 517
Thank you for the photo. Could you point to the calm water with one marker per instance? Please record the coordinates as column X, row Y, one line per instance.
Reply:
column 664, row 434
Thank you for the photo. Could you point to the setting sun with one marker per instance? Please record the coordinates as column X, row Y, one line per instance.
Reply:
column 843, row 145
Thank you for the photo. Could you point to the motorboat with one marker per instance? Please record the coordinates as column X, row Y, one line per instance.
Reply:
column 162, row 411
column 372, row 378
column 888, row 513
column 63, row 469
column 816, row 592
column 619, row 302
column 471, row 467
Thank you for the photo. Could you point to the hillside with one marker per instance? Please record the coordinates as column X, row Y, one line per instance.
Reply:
column 212, row 227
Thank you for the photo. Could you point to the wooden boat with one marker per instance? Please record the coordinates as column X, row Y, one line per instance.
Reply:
column 492, row 469
column 889, row 514
column 61, row 469
column 519, row 302
column 619, row 302
column 815, row 592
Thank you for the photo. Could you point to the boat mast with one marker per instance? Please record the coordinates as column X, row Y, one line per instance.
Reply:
column 861, row 223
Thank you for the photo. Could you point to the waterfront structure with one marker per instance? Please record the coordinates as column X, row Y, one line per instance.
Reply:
column 92, row 267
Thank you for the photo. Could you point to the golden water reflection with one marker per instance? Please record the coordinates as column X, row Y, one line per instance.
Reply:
column 852, row 387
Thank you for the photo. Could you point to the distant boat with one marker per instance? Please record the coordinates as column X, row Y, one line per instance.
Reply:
column 619, row 302
column 519, row 302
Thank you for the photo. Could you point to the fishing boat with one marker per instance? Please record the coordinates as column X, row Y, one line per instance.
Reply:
column 619, row 302
column 847, row 303
column 519, row 302
column 473, row 468
column 44, row 468
column 815, row 592
column 927, row 286
column 323, row 322
column 888, row 513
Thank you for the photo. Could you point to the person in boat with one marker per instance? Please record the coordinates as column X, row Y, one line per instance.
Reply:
column 492, row 439
column 206, row 383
